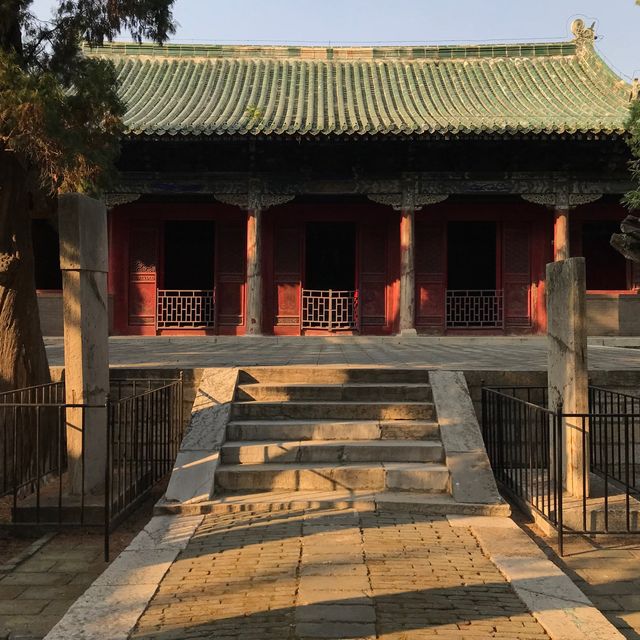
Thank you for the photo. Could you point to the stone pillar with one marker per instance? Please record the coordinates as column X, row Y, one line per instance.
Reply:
column 407, row 202
column 84, row 263
column 407, row 271
column 561, row 247
column 255, row 203
column 254, row 272
column 567, row 364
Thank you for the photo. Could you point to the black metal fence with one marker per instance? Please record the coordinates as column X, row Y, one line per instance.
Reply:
column 615, row 436
column 525, row 442
column 43, row 488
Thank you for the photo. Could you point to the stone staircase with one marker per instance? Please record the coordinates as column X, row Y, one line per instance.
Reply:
column 340, row 430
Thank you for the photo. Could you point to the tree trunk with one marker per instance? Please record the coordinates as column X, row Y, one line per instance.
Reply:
column 23, row 360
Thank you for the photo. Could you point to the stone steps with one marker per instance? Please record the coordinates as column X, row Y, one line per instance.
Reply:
column 393, row 501
column 302, row 429
column 332, row 375
column 333, row 410
column 334, row 451
column 354, row 430
column 381, row 476
column 351, row 392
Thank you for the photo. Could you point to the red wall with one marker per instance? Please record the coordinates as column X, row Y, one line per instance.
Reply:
column 136, row 264
column 525, row 245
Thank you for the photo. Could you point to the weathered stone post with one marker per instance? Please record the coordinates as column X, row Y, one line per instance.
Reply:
column 254, row 202
column 567, row 365
column 84, row 263
column 407, row 202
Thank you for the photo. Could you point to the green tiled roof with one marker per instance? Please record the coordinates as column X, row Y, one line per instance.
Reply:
column 560, row 87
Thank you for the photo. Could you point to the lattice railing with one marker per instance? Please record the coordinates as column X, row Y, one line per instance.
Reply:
column 475, row 309
column 329, row 310
column 182, row 309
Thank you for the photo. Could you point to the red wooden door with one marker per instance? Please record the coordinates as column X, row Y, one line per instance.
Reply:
column 372, row 281
column 143, row 271
column 286, row 280
column 516, row 274
column 431, row 275
column 230, row 277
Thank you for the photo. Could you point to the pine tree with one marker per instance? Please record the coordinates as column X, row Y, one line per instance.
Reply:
column 60, row 126
column 632, row 199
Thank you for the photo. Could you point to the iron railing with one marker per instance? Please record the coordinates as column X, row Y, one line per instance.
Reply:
column 28, row 434
column 144, row 434
column 144, row 424
column 525, row 443
column 329, row 310
column 185, row 309
column 474, row 309
column 615, row 436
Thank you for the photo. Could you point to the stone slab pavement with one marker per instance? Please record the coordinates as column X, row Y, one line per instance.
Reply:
column 340, row 574
column 452, row 353
column 41, row 582
column 605, row 568
column 332, row 574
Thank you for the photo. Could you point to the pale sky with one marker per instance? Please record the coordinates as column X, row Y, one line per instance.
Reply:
column 407, row 21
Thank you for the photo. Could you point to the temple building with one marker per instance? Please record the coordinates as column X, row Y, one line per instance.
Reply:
column 362, row 190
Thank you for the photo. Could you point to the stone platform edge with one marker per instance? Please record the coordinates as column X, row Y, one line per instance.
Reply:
column 111, row 607
column 560, row 607
column 303, row 502
column 472, row 479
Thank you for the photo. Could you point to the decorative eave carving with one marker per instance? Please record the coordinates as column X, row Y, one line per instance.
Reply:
column 254, row 201
column 583, row 35
column 561, row 200
column 407, row 201
column 112, row 200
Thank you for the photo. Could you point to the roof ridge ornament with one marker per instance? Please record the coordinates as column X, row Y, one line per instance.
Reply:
column 582, row 34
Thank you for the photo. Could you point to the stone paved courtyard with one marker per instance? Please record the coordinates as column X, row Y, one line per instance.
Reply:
column 467, row 354
column 331, row 574
column 285, row 574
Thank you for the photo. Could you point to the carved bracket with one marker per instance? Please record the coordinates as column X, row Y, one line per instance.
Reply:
column 254, row 201
column 112, row 200
column 407, row 200
column 561, row 201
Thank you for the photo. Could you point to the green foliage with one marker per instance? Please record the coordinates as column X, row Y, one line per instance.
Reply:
column 632, row 199
column 59, row 110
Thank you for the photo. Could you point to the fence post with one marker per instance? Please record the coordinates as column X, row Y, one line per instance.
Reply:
column 559, row 466
column 107, row 479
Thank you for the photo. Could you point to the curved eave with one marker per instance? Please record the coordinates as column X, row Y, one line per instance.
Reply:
column 613, row 133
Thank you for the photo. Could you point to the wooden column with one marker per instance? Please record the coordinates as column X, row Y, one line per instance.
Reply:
column 561, row 202
column 254, row 271
column 254, row 202
column 407, row 271
column 561, row 247
column 407, row 202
